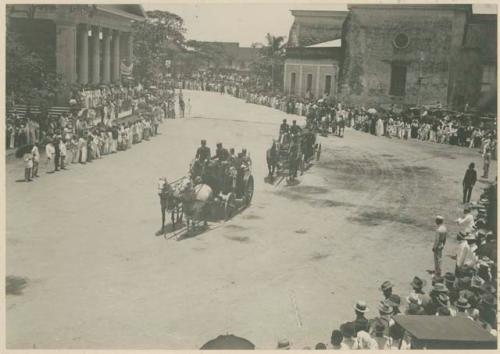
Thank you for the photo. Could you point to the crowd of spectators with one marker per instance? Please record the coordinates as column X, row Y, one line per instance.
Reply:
column 92, row 130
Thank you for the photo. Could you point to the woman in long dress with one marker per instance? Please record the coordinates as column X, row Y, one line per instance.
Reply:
column 379, row 128
column 82, row 144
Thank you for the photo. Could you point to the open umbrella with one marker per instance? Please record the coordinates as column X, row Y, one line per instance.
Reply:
column 228, row 342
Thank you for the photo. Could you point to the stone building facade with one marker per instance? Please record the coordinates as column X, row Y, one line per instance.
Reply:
column 408, row 55
column 88, row 43
column 312, row 71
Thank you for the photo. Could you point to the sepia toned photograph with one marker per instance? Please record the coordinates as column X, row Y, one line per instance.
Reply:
column 250, row 176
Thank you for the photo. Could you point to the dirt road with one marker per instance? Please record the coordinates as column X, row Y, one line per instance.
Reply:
column 87, row 271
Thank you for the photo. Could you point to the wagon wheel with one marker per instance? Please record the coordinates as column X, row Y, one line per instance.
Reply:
column 249, row 191
column 318, row 152
column 230, row 206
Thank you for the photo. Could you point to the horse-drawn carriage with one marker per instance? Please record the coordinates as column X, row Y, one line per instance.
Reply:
column 213, row 189
column 292, row 153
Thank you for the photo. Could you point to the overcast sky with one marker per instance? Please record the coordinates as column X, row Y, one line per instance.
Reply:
column 247, row 22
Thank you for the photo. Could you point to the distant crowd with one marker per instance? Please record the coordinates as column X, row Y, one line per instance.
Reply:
column 92, row 130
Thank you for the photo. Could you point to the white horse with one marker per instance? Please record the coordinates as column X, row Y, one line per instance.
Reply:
column 196, row 202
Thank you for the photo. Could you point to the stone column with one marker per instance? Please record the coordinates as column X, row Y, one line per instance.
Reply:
column 106, row 70
column 301, row 94
column 95, row 48
column 66, row 51
column 317, row 82
column 83, row 55
column 130, row 48
column 115, row 57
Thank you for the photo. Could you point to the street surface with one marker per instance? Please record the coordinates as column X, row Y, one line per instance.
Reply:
column 87, row 270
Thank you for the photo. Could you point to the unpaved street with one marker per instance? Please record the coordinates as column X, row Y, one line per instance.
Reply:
column 291, row 265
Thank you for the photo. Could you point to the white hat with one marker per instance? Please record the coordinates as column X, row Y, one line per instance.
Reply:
column 439, row 217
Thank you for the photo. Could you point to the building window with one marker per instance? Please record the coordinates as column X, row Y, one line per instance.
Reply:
column 328, row 84
column 398, row 79
column 292, row 83
column 309, row 82
column 488, row 78
column 401, row 41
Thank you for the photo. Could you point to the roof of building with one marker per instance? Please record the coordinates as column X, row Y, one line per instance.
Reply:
column 313, row 27
column 248, row 53
column 336, row 43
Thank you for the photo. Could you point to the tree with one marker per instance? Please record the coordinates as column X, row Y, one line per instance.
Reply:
column 271, row 60
column 208, row 54
column 156, row 40
column 29, row 77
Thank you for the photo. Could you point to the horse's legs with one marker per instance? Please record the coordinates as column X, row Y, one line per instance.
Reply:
column 162, row 219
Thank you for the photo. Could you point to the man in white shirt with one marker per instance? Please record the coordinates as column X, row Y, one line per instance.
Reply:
column 36, row 160
column 466, row 223
column 438, row 245
column 50, row 152
column 63, row 152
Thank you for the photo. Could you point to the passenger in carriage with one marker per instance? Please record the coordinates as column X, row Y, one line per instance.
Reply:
column 245, row 158
column 203, row 152
column 284, row 129
column 221, row 153
column 295, row 129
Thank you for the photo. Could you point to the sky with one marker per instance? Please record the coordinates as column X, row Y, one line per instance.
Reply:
column 247, row 23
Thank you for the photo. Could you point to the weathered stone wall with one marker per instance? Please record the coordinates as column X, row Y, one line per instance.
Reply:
column 369, row 51
column 308, row 28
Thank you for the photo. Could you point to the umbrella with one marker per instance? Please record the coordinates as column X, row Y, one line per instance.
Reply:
column 228, row 342
column 372, row 111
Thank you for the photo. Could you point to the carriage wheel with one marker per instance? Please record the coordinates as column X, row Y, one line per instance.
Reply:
column 318, row 152
column 230, row 206
column 249, row 191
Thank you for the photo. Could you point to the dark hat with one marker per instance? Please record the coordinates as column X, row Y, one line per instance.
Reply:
column 283, row 344
column 418, row 283
column 449, row 277
column 462, row 303
column 440, row 288
column 386, row 285
column 464, row 282
column 477, row 282
column 361, row 307
column 437, row 280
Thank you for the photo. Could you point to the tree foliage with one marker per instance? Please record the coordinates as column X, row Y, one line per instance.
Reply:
column 156, row 40
column 30, row 78
column 270, row 64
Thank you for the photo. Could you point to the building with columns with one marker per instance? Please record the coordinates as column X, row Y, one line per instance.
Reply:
column 86, row 44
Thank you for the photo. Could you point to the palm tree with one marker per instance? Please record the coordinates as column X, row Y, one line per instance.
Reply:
column 274, row 49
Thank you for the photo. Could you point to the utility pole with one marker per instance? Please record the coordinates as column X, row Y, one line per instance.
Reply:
column 419, row 82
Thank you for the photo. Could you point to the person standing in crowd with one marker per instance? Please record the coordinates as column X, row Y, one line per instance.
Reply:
column 57, row 153
column 74, row 149
column 28, row 165
column 114, row 135
column 336, row 340
column 62, row 152
column 468, row 182
column 361, row 323
column 383, row 341
column 486, row 162
column 466, row 223
column 348, row 331
column 50, row 152
column 386, row 289
column 465, row 258
column 438, row 245
column 36, row 160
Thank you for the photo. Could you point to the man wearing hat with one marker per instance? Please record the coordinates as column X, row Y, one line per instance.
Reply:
column 449, row 282
column 394, row 301
column 386, row 288
column 203, row 152
column 462, row 305
column 361, row 323
column 385, row 314
column 284, row 128
column 439, row 243
column 295, row 129
column 384, row 342
column 466, row 223
column 468, row 182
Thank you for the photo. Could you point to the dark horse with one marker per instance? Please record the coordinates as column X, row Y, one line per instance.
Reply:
column 169, row 201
